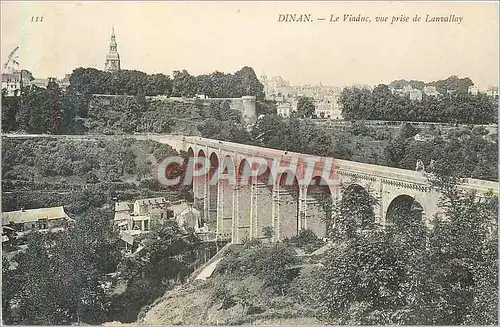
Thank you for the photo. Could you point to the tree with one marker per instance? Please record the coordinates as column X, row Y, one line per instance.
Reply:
column 305, row 108
column 247, row 83
column 168, row 255
column 54, row 105
column 10, row 106
column 183, row 84
column 463, row 252
column 60, row 275
column 39, row 302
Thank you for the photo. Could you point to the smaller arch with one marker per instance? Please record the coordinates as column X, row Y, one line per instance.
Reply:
column 404, row 210
column 264, row 176
column 243, row 176
column 319, row 210
column 227, row 170
column 214, row 167
column 287, row 180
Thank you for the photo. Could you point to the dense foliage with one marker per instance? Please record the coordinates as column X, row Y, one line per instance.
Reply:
column 76, row 276
column 61, row 277
column 54, row 171
column 411, row 274
column 380, row 104
column 168, row 256
column 182, row 84
column 131, row 82
column 52, row 111
column 466, row 152
column 90, row 161
column 220, row 85
column 270, row 263
column 452, row 83
column 305, row 108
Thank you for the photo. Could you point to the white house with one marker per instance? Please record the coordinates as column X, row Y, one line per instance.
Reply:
column 473, row 90
column 284, row 109
column 492, row 92
column 186, row 215
column 415, row 94
column 430, row 91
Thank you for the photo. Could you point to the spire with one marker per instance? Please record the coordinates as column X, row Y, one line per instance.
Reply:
column 113, row 58
column 112, row 44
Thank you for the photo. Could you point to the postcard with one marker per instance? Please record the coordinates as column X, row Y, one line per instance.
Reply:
column 249, row 163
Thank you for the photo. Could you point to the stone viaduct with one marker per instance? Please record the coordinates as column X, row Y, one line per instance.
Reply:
column 244, row 210
column 239, row 211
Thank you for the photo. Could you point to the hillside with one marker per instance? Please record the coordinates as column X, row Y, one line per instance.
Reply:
column 41, row 172
column 257, row 284
column 194, row 304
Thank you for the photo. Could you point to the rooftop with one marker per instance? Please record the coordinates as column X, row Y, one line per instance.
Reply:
column 151, row 201
column 23, row 216
column 122, row 206
column 179, row 208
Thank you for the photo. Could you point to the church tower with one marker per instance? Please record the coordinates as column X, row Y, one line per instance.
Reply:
column 112, row 58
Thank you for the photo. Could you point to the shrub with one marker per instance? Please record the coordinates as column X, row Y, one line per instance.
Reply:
column 270, row 263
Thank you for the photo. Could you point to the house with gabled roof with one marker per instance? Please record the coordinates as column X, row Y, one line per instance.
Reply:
column 42, row 219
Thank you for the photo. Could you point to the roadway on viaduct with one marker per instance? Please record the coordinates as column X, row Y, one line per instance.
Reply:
column 244, row 210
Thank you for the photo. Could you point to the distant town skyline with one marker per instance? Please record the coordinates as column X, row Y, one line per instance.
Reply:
column 203, row 37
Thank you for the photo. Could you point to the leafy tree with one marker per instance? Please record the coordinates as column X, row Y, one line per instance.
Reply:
column 10, row 106
column 463, row 253
column 381, row 104
column 247, row 83
column 270, row 263
column 183, row 84
column 305, row 108
column 167, row 255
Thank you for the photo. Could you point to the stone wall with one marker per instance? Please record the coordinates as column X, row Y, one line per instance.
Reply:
column 245, row 105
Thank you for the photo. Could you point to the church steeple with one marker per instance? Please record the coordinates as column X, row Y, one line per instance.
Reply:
column 113, row 58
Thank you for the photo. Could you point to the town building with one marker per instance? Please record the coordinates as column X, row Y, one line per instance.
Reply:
column 473, row 90
column 286, row 96
column 136, row 218
column 153, row 207
column 276, row 86
column 186, row 215
column 492, row 92
column 415, row 94
column 284, row 109
column 407, row 89
column 423, row 137
column 430, row 91
column 112, row 58
column 14, row 80
column 11, row 83
column 64, row 82
column 41, row 219
column 328, row 107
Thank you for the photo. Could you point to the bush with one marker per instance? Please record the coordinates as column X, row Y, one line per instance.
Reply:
column 306, row 240
column 270, row 263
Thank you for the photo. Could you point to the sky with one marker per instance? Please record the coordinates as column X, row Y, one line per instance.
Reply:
column 202, row 37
